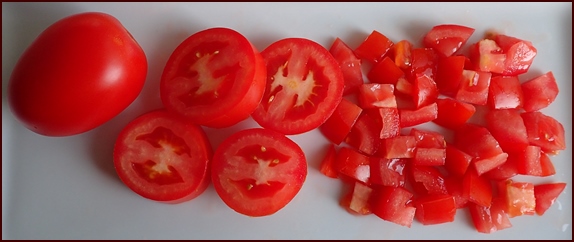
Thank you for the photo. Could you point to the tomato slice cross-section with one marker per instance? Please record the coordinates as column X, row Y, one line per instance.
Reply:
column 257, row 172
column 163, row 157
column 304, row 86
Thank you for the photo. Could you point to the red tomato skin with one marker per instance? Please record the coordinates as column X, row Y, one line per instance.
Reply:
column 364, row 135
column 425, row 91
column 393, row 204
column 505, row 92
column 507, row 127
column 544, row 131
column 194, row 172
column 519, row 54
column 456, row 161
column 279, row 110
column 80, row 72
column 449, row 73
column 474, row 87
column 374, row 47
column 387, row 172
column 353, row 164
column 350, row 65
column 252, row 199
column 452, row 113
column 385, row 72
column 327, row 167
column 546, row 195
column 435, row 209
column 519, row 197
column 357, row 201
column 539, row 92
column 421, row 115
column 374, row 95
column 215, row 78
column 447, row 39
column 477, row 188
column 339, row 124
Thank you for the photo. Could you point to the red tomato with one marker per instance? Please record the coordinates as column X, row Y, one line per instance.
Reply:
column 507, row 170
column 429, row 157
column 454, row 187
column 257, row 172
column 78, row 73
column 402, row 53
column 505, row 93
column 532, row 161
column 353, row 164
column 374, row 95
column 428, row 139
column 519, row 54
column 507, row 127
column 387, row 172
column 364, row 135
column 393, row 204
column 421, row 115
column 328, row 163
column 388, row 121
column 477, row 189
column 425, row 91
column 163, row 157
column 435, row 209
column 478, row 142
column 215, row 78
column 398, row 147
column 474, row 87
column 338, row 126
column 544, row 131
column 456, row 161
column 432, row 181
column 350, row 65
column 358, row 200
column 519, row 197
column 447, row 39
column 424, row 62
column 487, row 56
column 449, row 73
column 489, row 219
column 304, row 86
column 539, row 92
column 452, row 113
column 546, row 194
column 385, row 72
column 374, row 47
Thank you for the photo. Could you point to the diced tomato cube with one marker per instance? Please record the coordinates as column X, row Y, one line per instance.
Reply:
column 507, row 127
column 489, row 219
column 430, row 178
column 423, row 62
column 547, row 166
column 385, row 72
column 429, row 157
column 519, row 54
column 449, row 73
column 375, row 95
column 339, row 124
column 402, row 54
column 454, row 187
column 421, row 115
column 507, row 170
column 476, row 188
column 487, row 56
column 425, row 91
column 388, row 121
column 478, row 142
column 474, row 87
column 350, row 65
column 328, row 163
column 505, row 92
column 405, row 87
column 546, row 194
column 435, row 209
column 428, row 139
column 388, row 172
column 539, row 92
column 353, row 164
column 452, row 113
column 357, row 201
column 456, row 161
column 393, row 204
column 534, row 162
column 498, row 214
column 374, row 47
column 519, row 197
column 544, row 131
column 398, row 147
column 447, row 39
column 364, row 135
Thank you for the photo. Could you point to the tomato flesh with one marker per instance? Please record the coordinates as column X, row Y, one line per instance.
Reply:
column 539, row 92
column 162, row 157
column 374, row 47
column 257, row 172
column 350, row 65
column 393, row 204
column 447, row 39
column 338, row 126
column 435, row 209
column 304, row 86
column 546, row 195
column 544, row 131
column 505, row 93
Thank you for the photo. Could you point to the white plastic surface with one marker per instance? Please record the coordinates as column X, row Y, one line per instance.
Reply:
column 66, row 188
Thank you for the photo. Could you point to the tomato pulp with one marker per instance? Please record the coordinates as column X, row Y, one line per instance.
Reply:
column 215, row 78
column 304, row 86
column 257, row 172
column 163, row 157
column 80, row 72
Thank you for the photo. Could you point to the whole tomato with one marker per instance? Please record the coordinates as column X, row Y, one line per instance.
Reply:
column 79, row 73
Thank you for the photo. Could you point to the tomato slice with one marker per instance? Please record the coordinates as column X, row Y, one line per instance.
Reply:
column 338, row 126
column 432, row 181
column 163, row 157
column 257, row 172
column 478, row 142
column 425, row 91
column 304, row 86
column 505, row 92
column 398, row 147
column 546, row 195
column 447, row 39
column 215, row 78
column 428, row 139
column 477, row 189
column 350, row 65
column 456, row 161
column 539, row 92
column 487, row 56
column 374, row 47
column 402, row 54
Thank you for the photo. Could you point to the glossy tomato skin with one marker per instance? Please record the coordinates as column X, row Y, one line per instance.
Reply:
column 163, row 157
column 257, row 172
column 304, row 86
column 78, row 73
column 215, row 78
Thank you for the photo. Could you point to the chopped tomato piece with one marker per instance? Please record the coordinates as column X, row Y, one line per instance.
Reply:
column 447, row 39
column 357, row 201
column 435, row 209
column 546, row 194
column 489, row 219
column 473, row 87
column 449, row 73
column 519, row 54
column 507, row 127
column 402, row 53
column 374, row 95
column 339, row 124
column 425, row 91
column 385, row 72
column 388, row 172
column 456, row 161
column 454, row 187
column 350, row 65
column 428, row 139
column 532, row 161
column 328, row 163
column 487, row 56
column 364, row 135
column 403, row 86
column 430, row 178
column 423, row 62
column 505, row 93
column 374, row 47
column 539, row 92
column 544, row 131
column 353, row 164
column 398, row 147
column 507, row 170
column 519, row 197
column 421, row 115
column 452, row 113
column 478, row 142
column 547, row 166
column 393, row 204
column 429, row 157
column 476, row 188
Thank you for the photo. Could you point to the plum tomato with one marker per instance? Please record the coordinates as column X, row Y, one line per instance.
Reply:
column 304, row 86
column 257, row 172
column 80, row 72
column 215, row 78
column 163, row 157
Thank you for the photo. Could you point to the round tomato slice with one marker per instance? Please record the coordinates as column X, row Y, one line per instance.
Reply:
column 257, row 172
column 304, row 86
column 215, row 78
column 163, row 157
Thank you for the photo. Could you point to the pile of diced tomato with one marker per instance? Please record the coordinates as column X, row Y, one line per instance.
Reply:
column 490, row 129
